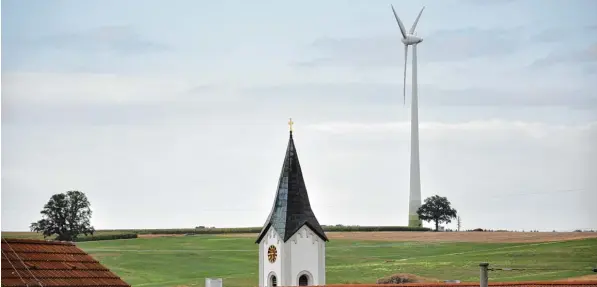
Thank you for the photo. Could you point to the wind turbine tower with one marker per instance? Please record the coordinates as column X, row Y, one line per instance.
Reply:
column 410, row 39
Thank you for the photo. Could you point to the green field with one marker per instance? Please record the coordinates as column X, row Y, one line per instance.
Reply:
column 188, row 260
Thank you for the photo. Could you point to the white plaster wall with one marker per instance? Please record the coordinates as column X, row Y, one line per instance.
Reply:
column 304, row 252
column 261, row 263
column 266, row 268
column 307, row 255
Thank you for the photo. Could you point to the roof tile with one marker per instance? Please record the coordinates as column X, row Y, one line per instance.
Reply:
column 30, row 262
column 291, row 209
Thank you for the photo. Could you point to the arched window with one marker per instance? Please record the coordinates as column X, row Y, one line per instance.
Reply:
column 304, row 280
column 273, row 281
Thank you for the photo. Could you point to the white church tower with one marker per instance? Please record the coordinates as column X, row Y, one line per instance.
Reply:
column 291, row 243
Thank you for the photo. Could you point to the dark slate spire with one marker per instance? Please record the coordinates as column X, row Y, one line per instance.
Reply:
column 291, row 208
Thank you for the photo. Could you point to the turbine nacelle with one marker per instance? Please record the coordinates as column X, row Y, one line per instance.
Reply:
column 411, row 40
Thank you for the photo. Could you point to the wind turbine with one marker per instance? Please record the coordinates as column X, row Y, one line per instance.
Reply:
column 411, row 39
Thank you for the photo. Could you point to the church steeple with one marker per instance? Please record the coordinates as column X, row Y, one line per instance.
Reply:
column 291, row 209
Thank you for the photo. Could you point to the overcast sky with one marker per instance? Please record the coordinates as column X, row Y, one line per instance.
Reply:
column 172, row 114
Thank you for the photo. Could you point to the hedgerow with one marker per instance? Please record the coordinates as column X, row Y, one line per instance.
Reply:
column 356, row 228
column 107, row 237
column 213, row 230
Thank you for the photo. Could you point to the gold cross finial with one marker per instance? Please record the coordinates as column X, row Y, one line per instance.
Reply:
column 290, row 123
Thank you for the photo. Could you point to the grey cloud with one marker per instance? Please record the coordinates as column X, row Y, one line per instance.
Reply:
column 82, row 114
column 323, row 101
column 202, row 100
column 359, row 52
column 555, row 35
column 107, row 49
column 473, row 43
column 391, row 94
column 201, row 89
column 442, row 46
column 335, row 94
column 582, row 56
column 363, row 100
column 487, row 3
column 590, row 69
column 119, row 39
column 94, row 114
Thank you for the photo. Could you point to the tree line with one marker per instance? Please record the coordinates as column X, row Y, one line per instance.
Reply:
column 67, row 216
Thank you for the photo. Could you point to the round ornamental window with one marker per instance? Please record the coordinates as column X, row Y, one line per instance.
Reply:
column 272, row 254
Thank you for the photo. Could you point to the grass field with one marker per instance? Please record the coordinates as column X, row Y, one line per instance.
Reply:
column 187, row 260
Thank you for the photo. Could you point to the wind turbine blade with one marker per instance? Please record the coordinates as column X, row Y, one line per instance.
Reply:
column 402, row 29
column 412, row 29
column 405, row 63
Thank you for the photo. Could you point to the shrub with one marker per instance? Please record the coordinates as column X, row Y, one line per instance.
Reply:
column 403, row 278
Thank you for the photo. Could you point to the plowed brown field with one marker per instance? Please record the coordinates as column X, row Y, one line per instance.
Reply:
column 582, row 278
column 488, row 237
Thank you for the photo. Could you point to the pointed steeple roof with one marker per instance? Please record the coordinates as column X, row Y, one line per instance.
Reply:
column 291, row 209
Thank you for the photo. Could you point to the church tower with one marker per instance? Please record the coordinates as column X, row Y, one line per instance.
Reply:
column 291, row 243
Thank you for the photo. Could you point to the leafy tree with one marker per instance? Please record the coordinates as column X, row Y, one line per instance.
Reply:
column 66, row 215
column 436, row 208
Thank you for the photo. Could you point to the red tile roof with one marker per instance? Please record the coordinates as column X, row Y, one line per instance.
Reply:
column 28, row 262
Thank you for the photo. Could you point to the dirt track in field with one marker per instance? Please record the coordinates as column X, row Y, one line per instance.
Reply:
column 488, row 237
column 581, row 278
